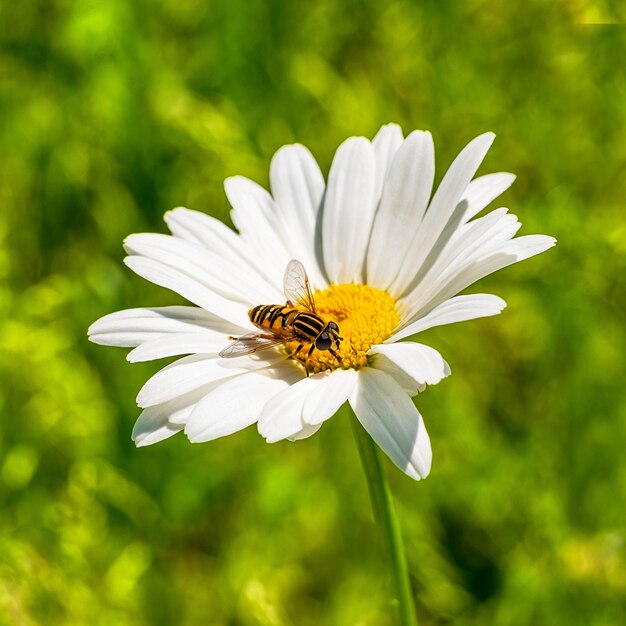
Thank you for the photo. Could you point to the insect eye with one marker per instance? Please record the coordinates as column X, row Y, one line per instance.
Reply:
column 323, row 342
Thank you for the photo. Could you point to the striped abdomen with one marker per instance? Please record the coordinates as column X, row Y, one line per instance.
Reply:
column 280, row 318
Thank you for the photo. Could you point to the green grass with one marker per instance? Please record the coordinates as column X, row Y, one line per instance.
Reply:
column 112, row 113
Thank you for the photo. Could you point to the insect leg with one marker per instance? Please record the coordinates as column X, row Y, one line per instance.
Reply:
column 335, row 355
column 260, row 336
column 306, row 361
column 295, row 354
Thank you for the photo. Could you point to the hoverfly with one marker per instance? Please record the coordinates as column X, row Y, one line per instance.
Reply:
column 280, row 324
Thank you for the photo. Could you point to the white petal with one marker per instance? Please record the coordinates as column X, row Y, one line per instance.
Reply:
column 298, row 188
column 469, row 243
column 478, row 194
column 404, row 200
column 306, row 432
column 224, row 243
column 189, row 288
column 481, row 192
column 485, row 263
column 254, row 216
column 153, row 426
column 163, row 420
column 390, row 417
column 349, row 210
column 192, row 372
column 206, row 342
column 422, row 363
column 226, row 279
column 179, row 409
column 168, row 417
column 332, row 393
column 299, row 411
column 458, row 309
column 181, row 377
column 281, row 416
column 205, row 230
column 132, row 327
column 441, row 208
column 408, row 384
column 480, row 234
column 387, row 140
column 233, row 405
column 506, row 254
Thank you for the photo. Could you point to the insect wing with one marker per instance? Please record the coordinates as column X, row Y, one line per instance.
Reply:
column 297, row 287
column 251, row 343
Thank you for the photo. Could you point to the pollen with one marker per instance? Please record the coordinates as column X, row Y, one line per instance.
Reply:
column 366, row 316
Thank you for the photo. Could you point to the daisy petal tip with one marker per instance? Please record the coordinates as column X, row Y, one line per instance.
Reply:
column 360, row 142
column 198, row 439
column 134, row 356
column 288, row 149
column 231, row 182
column 418, row 472
column 172, row 214
column 420, row 464
column 444, row 372
column 192, row 429
column 532, row 245
column 177, row 209
column 144, row 435
column 419, row 134
column 267, row 434
column 269, row 430
column 97, row 332
column 391, row 128
column 142, row 400
column 481, row 144
column 196, row 428
column 131, row 239
column 498, row 305
column 262, row 429
column 195, row 437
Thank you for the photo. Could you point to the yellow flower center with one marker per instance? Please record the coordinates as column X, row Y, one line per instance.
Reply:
column 365, row 316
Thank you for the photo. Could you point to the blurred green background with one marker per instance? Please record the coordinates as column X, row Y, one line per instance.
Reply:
column 111, row 113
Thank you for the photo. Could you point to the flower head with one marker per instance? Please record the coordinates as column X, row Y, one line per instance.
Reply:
column 386, row 258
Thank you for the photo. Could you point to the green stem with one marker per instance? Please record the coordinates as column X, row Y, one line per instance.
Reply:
column 384, row 512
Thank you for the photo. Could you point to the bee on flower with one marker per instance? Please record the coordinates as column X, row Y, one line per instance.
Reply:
column 281, row 325
column 311, row 302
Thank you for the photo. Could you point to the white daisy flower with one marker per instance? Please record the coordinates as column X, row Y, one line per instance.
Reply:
column 385, row 257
